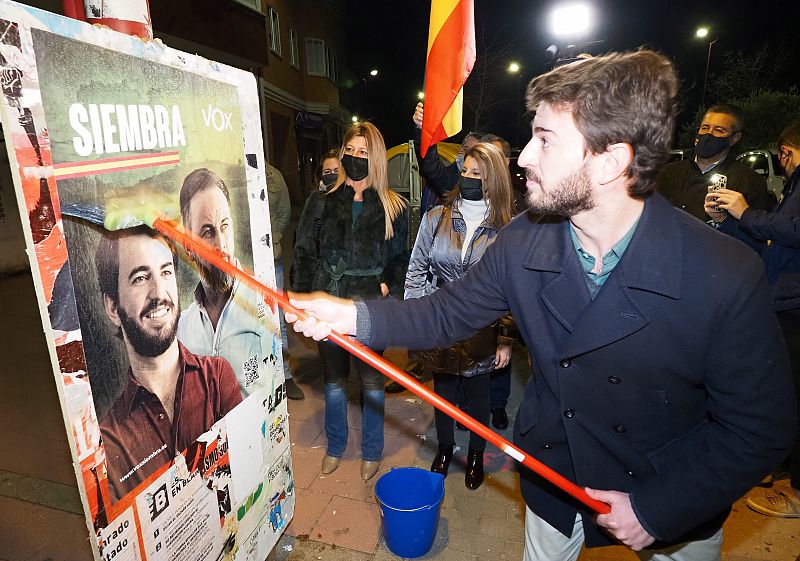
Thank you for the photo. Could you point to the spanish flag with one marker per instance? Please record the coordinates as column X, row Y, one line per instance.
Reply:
column 451, row 54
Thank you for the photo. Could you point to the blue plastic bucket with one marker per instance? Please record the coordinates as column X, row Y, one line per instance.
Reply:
column 410, row 499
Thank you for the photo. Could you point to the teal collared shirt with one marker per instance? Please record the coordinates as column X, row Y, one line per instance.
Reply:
column 593, row 280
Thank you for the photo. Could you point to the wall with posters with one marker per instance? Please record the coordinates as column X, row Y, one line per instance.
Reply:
column 175, row 412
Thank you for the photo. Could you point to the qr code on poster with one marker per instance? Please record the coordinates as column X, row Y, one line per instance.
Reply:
column 250, row 370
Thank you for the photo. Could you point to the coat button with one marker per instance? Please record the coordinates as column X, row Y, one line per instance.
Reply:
column 631, row 474
column 564, row 363
column 619, row 428
column 569, row 413
column 547, row 446
column 614, row 380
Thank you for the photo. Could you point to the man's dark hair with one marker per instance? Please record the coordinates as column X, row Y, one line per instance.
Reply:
column 106, row 258
column 730, row 110
column 477, row 135
column 200, row 180
column 506, row 147
column 620, row 97
column 790, row 136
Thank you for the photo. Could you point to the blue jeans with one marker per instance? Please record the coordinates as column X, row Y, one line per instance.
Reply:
column 287, row 373
column 336, row 368
column 500, row 387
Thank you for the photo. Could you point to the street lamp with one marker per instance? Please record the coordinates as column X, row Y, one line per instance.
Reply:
column 373, row 73
column 702, row 33
column 354, row 118
column 420, row 95
column 514, row 69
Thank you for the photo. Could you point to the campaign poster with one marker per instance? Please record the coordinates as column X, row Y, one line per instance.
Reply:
column 169, row 372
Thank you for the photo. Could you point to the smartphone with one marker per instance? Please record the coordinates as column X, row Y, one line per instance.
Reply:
column 718, row 181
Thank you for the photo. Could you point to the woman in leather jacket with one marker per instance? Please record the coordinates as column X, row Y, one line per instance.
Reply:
column 451, row 239
column 354, row 245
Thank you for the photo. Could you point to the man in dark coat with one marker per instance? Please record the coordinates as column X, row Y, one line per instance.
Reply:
column 781, row 256
column 685, row 183
column 656, row 381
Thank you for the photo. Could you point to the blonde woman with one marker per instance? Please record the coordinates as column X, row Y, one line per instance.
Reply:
column 359, row 249
column 451, row 239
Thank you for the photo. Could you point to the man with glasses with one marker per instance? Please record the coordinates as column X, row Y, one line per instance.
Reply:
column 685, row 183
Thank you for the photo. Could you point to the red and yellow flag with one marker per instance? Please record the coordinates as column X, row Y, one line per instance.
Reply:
column 451, row 54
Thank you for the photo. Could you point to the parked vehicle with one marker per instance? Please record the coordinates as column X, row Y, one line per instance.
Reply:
column 679, row 154
column 765, row 163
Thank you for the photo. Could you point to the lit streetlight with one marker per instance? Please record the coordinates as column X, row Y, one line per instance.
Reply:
column 420, row 95
column 702, row 33
column 514, row 67
column 354, row 118
column 571, row 20
column 373, row 72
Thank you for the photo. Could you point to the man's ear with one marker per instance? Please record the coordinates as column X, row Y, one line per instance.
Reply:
column 111, row 310
column 614, row 163
column 735, row 137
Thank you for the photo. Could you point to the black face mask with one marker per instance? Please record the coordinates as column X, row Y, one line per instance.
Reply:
column 328, row 179
column 355, row 168
column 709, row 145
column 471, row 188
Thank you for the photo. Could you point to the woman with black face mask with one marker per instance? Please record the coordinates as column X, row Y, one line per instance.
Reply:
column 451, row 239
column 354, row 244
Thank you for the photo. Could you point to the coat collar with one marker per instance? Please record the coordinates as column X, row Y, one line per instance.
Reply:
column 657, row 240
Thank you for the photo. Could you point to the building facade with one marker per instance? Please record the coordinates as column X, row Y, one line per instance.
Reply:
column 294, row 48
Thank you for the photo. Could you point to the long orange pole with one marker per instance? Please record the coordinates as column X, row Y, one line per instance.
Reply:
column 199, row 247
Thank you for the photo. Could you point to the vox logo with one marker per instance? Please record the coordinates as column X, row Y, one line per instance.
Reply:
column 216, row 118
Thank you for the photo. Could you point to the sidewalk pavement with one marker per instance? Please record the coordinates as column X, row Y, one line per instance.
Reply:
column 336, row 517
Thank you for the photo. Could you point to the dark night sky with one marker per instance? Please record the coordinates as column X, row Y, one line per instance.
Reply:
column 392, row 36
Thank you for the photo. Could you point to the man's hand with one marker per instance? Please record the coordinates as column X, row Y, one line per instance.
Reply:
column 384, row 289
column 502, row 356
column 732, row 201
column 710, row 206
column 417, row 117
column 621, row 522
column 326, row 313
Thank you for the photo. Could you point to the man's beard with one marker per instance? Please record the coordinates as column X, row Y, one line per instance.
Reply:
column 217, row 280
column 146, row 344
column 572, row 195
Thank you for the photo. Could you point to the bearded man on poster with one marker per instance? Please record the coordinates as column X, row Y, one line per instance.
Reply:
column 172, row 395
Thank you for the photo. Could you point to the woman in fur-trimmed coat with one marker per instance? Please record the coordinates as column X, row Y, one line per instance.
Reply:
column 354, row 244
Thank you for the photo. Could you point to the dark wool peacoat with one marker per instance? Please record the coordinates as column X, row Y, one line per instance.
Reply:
column 672, row 385
column 346, row 259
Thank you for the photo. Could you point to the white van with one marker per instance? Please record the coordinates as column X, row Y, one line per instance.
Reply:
column 765, row 163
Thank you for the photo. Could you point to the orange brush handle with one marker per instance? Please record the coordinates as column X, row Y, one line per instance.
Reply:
column 205, row 251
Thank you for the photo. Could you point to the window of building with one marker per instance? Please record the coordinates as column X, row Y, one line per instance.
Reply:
column 331, row 59
column 316, row 61
column 252, row 4
column 274, row 32
column 294, row 50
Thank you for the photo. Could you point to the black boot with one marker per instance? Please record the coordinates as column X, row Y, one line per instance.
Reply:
column 474, row 476
column 441, row 463
column 499, row 418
